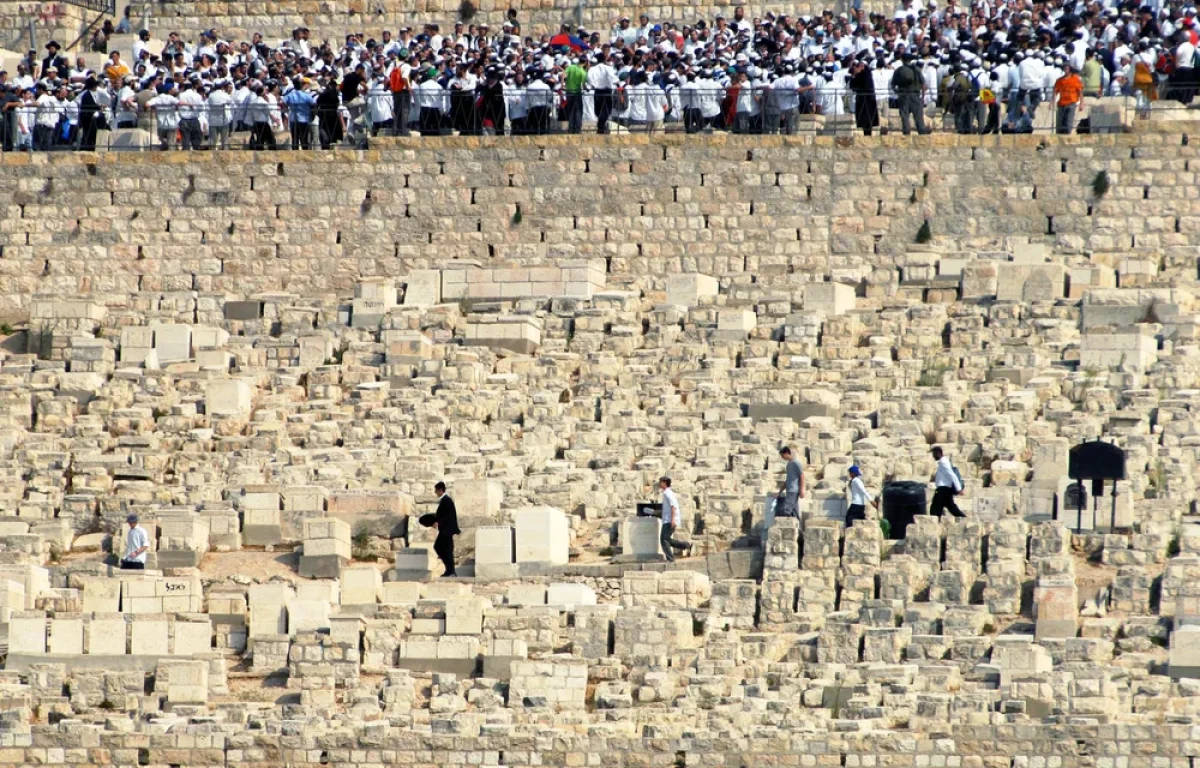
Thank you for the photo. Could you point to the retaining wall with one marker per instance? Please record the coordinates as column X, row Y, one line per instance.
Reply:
column 239, row 223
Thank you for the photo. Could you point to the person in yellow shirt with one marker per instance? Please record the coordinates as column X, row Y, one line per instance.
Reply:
column 1093, row 80
column 115, row 70
column 1068, row 91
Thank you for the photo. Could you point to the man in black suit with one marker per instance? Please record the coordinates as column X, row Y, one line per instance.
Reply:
column 53, row 60
column 447, row 528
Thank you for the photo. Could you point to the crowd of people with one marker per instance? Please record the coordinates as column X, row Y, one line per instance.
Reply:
column 981, row 68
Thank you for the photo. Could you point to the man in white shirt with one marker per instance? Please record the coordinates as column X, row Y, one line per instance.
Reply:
column 166, row 115
column 191, row 105
column 48, row 111
column 602, row 79
column 946, row 486
column 859, row 498
column 539, row 101
column 137, row 544
column 220, row 113
column 671, row 518
column 1032, row 79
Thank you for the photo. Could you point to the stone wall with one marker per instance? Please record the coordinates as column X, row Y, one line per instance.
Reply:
column 332, row 19
column 239, row 223
column 983, row 746
column 51, row 21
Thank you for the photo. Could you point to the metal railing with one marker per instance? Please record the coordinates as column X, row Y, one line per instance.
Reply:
column 64, row 127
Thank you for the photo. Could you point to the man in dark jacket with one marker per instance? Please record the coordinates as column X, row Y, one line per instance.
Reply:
column 54, row 61
column 447, row 528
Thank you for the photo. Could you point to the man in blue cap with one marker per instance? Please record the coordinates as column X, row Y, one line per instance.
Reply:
column 137, row 544
column 859, row 497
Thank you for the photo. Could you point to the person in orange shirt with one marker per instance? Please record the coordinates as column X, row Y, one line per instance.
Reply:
column 116, row 69
column 1069, row 91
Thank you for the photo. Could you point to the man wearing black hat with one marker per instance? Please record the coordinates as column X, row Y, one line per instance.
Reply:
column 53, row 60
column 90, row 115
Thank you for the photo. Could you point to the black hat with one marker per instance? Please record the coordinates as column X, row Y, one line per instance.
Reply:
column 53, row 44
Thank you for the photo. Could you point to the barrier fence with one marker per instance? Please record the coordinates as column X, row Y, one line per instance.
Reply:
column 61, row 126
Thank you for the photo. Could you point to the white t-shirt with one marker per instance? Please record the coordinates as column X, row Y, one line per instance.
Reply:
column 136, row 539
column 670, row 507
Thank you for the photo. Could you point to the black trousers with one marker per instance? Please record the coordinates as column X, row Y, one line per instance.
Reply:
column 301, row 135
column 604, row 105
column 943, row 499
column 262, row 137
column 132, row 565
column 87, row 134
column 855, row 512
column 574, row 111
column 538, row 121
column 431, row 121
column 668, row 542
column 189, row 130
column 443, row 547
column 401, row 105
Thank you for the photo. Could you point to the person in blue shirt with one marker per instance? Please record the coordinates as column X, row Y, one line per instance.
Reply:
column 300, row 111
column 1018, row 122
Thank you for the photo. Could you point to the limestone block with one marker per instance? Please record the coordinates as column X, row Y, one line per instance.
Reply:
column 526, row 594
column 1133, row 349
column 464, row 616
column 383, row 512
column 66, row 634
column 1021, row 659
column 493, row 545
column 27, row 632
column 741, row 321
column 136, row 343
column 400, row 593
column 428, row 626
column 423, row 288
column 191, row 638
column 829, row 298
column 228, row 397
column 327, row 547
column 361, row 585
column 478, row 497
column 406, row 346
column 514, row 333
column 149, row 636
column 307, row 615
column 542, row 536
column 268, row 608
column 35, row 578
column 367, row 313
column 106, row 635
column 318, row 590
column 686, row 290
column 182, row 681
column 208, row 338
column 414, row 563
column 1056, row 607
column 569, row 596
column 12, row 598
column 381, row 289
column 639, row 538
column 1184, row 659
column 304, row 498
column 172, row 343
